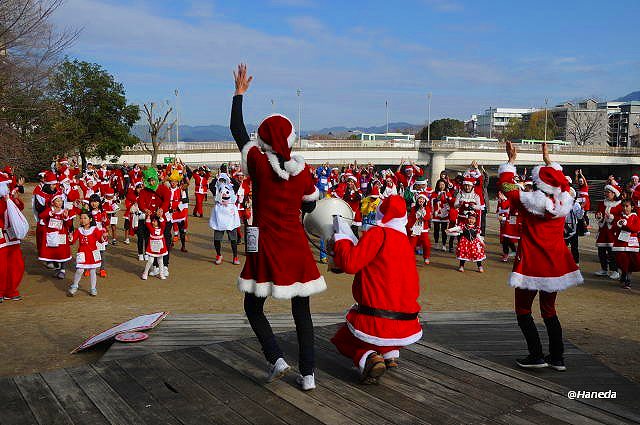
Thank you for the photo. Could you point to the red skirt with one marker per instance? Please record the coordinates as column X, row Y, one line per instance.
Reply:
column 470, row 250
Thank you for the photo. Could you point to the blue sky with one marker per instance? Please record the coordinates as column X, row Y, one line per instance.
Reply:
column 348, row 57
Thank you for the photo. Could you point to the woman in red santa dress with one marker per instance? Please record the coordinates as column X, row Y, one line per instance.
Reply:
column 283, row 265
column 57, row 224
column 132, row 213
column 510, row 225
column 201, row 180
column 418, row 226
column 626, row 247
column 243, row 203
column 42, row 195
column 543, row 265
column 353, row 197
column 607, row 210
column 584, row 200
column 385, row 287
column 11, row 259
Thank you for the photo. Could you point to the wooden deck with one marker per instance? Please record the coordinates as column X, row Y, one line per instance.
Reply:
column 224, row 383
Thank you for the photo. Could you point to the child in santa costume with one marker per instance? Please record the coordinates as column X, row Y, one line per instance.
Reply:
column 543, row 264
column 131, row 213
column 470, row 243
column 110, row 208
column 605, row 214
column 225, row 217
column 58, row 223
column 13, row 228
column 88, row 257
column 440, row 206
column 156, row 245
column 418, row 226
column 510, row 226
column 178, row 207
column 201, row 180
column 243, row 202
column 283, row 265
column 353, row 197
column 100, row 221
column 42, row 195
column 385, row 287
column 626, row 247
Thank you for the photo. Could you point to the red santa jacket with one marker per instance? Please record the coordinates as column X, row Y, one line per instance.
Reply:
column 441, row 206
column 607, row 210
column 418, row 220
column 201, row 182
column 153, row 199
column 386, row 278
column 543, row 261
column 583, row 197
column 353, row 198
column 625, row 232
column 7, row 237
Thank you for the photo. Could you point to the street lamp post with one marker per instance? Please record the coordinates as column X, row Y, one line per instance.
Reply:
column 490, row 122
column 429, row 117
column 299, row 93
column 386, row 107
column 546, row 101
column 177, row 122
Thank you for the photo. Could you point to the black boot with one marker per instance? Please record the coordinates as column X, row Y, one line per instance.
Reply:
column 535, row 358
column 556, row 346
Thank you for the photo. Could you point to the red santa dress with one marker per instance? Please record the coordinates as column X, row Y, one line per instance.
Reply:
column 54, row 244
column 418, row 227
column 470, row 245
column 11, row 259
column 626, row 246
column 88, row 256
column 385, row 287
column 607, row 210
column 284, row 266
column 157, row 245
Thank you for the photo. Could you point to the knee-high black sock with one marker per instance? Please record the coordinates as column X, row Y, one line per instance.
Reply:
column 554, row 330
column 217, row 245
column 530, row 332
column 234, row 248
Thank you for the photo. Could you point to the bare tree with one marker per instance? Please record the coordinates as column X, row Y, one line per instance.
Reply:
column 586, row 127
column 158, row 128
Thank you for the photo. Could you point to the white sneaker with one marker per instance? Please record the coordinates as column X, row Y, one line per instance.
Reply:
column 602, row 273
column 166, row 271
column 71, row 291
column 614, row 275
column 307, row 382
column 93, row 292
column 144, row 276
column 127, row 241
column 444, row 247
column 140, row 257
column 278, row 370
column 155, row 271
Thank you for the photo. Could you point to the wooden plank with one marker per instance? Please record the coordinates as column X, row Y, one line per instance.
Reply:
column 149, row 409
column 15, row 410
column 75, row 402
column 112, row 407
column 247, row 408
column 265, row 398
column 42, row 402
column 527, row 384
column 283, row 388
column 185, row 399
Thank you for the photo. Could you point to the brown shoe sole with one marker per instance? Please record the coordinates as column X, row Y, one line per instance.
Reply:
column 374, row 369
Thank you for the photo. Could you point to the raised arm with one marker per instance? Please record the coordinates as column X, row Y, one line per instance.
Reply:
column 238, row 130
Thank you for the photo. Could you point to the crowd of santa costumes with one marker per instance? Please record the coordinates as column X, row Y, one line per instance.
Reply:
column 449, row 215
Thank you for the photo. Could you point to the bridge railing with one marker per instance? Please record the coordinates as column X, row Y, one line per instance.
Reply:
column 306, row 145
column 453, row 145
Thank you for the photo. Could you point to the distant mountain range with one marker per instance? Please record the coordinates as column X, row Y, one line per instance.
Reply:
column 634, row 96
column 200, row 133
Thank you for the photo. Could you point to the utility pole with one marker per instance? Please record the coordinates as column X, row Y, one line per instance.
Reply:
column 299, row 93
column 273, row 106
column 546, row 101
column 429, row 118
column 490, row 121
column 386, row 106
column 177, row 122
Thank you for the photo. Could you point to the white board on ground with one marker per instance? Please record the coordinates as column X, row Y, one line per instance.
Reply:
column 140, row 323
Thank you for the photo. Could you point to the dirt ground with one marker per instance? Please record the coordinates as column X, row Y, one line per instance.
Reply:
column 39, row 332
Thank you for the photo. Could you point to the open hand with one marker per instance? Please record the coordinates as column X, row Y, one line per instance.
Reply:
column 511, row 152
column 545, row 154
column 242, row 81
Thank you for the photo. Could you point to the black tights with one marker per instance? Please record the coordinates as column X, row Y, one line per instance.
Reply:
column 572, row 242
column 508, row 244
column 607, row 259
column 462, row 262
column 234, row 247
column 254, row 309
column 440, row 229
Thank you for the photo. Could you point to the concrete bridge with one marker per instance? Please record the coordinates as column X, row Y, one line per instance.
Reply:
column 437, row 154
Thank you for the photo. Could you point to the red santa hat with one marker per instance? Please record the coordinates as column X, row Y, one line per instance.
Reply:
column 352, row 177
column 50, row 178
column 276, row 134
column 7, row 169
column 408, row 168
column 550, row 179
column 422, row 195
column 469, row 181
column 63, row 161
column 392, row 213
column 635, row 177
column 375, row 192
column 108, row 191
column 4, row 179
column 613, row 188
column 57, row 195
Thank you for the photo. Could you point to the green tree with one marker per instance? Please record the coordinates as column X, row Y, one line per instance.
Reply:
column 95, row 108
column 514, row 130
column 535, row 127
column 442, row 128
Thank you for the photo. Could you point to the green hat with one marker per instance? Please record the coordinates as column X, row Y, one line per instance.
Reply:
column 149, row 174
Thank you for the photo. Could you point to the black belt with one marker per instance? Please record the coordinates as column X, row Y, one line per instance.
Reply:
column 385, row 314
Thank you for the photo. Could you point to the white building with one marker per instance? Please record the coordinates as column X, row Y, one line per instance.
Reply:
column 494, row 120
column 386, row 136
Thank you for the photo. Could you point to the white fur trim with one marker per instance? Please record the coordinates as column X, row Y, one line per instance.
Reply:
column 292, row 136
column 538, row 203
column 385, row 342
column 275, row 165
column 314, row 196
column 341, row 236
column 472, row 261
column 393, row 354
column 54, row 259
column 507, row 168
column 604, row 244
column 625, row 249
column 399, row 224
column 244, row 153
column 546, row 284
column 611, row 188
column 295, row 165
column 363, row 360
column 297, row 289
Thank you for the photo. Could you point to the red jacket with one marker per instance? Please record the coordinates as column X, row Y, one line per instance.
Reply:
column 153, row 199
column 625, row 232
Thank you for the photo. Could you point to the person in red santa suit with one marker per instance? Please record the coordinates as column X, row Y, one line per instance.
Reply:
column 605, row 214
column 201, row 180
column 132, row 215
column 626, row 247
column 510, row 226
column 385, row 287
column 11, row 259
column 243, row 202
column 58, row 224
column 178, row 207
column 407, row 174
column 88, row 257
column 440, row 201
column 418, row 226
column 283, row 265
column 154, row 199
column 584, row 200
column 135, row 175
column 543, row 264
column 104, row 176
column 353, row 197
column 42, row 195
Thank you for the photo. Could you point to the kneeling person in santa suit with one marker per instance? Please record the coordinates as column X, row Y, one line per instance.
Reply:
column 386, row 290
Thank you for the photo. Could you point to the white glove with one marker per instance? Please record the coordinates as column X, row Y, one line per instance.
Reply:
column 342, row 230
